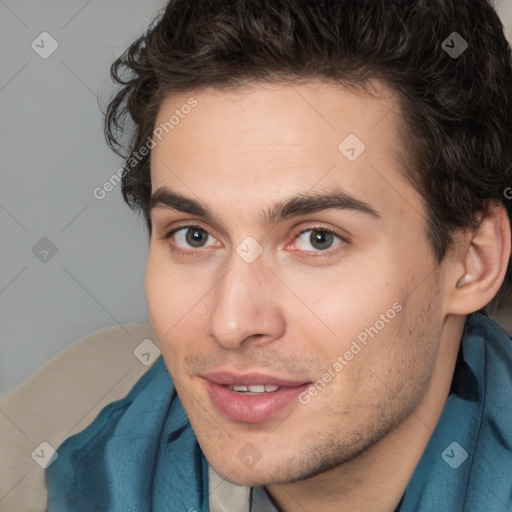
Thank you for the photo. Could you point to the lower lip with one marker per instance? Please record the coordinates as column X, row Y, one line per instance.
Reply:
column 251, row 408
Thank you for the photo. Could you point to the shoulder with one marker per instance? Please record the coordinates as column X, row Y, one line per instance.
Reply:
column 140, row 453
column 113, row 454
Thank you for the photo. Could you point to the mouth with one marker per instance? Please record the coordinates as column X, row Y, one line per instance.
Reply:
column 255, row 389
column 251, row 398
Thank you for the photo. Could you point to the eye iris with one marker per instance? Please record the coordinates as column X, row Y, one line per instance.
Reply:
column 195, row 237
column 321, row 239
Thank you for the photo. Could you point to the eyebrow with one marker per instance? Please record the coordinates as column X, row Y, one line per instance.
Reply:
column 300, row 204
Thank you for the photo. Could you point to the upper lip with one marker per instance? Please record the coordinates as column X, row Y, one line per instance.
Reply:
column 228, row 378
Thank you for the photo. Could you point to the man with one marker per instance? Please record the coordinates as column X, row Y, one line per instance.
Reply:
column 324, row 188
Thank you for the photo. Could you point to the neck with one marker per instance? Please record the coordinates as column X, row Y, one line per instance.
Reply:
column 375, row 480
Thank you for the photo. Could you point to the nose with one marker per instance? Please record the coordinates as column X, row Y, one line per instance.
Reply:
column 244, row 305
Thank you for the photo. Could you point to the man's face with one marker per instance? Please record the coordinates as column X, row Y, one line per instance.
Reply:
column 339, row 308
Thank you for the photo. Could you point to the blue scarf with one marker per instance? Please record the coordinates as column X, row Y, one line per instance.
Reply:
column 140, row 453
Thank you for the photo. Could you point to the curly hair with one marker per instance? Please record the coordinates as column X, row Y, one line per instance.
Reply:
column 455, row 111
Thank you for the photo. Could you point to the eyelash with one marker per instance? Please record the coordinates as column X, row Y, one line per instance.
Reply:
column 196, row 252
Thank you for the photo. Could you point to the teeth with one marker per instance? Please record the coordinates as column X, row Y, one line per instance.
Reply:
column 238, row 388
column 254, row 389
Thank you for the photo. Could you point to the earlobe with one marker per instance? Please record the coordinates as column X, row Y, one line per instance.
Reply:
column 481, row 269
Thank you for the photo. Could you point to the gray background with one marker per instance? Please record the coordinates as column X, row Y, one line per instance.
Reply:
column 52, row 157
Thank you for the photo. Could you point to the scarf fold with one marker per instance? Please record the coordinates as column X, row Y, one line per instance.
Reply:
column 139, row 454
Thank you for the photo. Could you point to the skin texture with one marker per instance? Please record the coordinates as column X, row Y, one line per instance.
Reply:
column 291, row 312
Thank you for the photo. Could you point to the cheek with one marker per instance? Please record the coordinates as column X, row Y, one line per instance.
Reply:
column 376, row 325
column 174, row 306
column 357, row 303
column 159, row 295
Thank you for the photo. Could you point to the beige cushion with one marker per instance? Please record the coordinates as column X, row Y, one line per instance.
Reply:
column 61, row 399
column 66, row 395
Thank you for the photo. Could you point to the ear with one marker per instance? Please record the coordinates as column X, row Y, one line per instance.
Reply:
column 479, row 264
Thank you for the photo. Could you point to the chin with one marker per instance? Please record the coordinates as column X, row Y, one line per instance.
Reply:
column 263, row 472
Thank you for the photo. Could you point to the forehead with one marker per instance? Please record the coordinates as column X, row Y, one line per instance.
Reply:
column 256, row 112
column 270, row 137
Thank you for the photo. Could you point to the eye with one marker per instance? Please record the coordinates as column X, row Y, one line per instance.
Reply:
column 321, row 239
column 192, row 236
